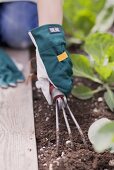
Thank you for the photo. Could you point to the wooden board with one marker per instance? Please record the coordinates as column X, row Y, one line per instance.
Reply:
column 17, row 134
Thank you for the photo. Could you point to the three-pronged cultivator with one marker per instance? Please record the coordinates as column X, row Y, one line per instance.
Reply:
column 62, row 105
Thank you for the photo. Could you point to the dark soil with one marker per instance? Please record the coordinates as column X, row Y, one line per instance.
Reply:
column 86, row 112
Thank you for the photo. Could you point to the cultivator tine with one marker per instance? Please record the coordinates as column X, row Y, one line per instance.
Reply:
column 77, row 125
column 68, row 127
column 57, row 126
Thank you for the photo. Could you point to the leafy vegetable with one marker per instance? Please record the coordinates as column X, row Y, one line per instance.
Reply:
column 101, row 135
column 99, row 68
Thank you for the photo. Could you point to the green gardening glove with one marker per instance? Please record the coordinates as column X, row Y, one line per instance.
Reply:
column 53, row 62
column 9, row 73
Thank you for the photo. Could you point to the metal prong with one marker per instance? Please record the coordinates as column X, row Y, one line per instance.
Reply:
column 68, row 126
column 57, row 127
column 77, row 125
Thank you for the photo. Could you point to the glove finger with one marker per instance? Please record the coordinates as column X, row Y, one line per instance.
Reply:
column 9, row 78
column 6, row 76
column 3, row 71
column 5, row 59
column 3, row 84
column 19, row 77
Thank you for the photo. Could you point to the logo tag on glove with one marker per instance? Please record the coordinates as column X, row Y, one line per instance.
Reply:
column 54, row 30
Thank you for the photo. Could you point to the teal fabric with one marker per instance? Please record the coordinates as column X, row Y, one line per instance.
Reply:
column 9, row 73
column 51, row 42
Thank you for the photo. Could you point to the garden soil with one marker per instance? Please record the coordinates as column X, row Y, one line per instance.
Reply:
column 80, row 158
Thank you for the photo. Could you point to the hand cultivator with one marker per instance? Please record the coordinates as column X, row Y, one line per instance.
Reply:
column 61, row 104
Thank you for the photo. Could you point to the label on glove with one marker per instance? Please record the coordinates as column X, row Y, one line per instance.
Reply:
column 54, row 30
column 62, row 56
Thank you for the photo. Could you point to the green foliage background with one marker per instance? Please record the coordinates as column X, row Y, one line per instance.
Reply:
column 80, row 16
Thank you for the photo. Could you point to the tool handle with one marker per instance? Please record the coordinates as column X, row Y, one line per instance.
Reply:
column 55, row 93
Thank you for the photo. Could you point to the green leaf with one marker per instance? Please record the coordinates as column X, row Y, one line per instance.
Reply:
column 110, row 53
column 104, row 71
column 104, row 20
column 82, row 92
column 82, row 67
column 109, row 98
column 108, row 128
column 111, row 78
column 104, row 138
column 97, row 45
column 85, row 20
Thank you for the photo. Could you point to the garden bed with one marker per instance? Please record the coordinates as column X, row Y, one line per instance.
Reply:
column 86, row 112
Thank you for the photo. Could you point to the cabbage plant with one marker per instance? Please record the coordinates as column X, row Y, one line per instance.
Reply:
column 97, row 66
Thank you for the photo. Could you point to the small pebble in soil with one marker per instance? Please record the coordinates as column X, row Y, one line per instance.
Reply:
column 84, row 159
column 40, row 109
column 79, row 160
column 68, row 99
column 111, row 162
column 63, row 155
column 68, row 143
column 51, row 167
column 56, row 163
column 43, row 147
column 46, row 139
column 95, row 110
column 58, row 159
column 46, row 151
column 41, row 150
column 100, row 99
column 47, row 118
column 41, row 156
column 45, row 165
column 96, row 119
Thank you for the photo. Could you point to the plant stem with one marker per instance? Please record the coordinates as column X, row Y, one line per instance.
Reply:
column 107, row 87
column 97, row 80
column 99, row 89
